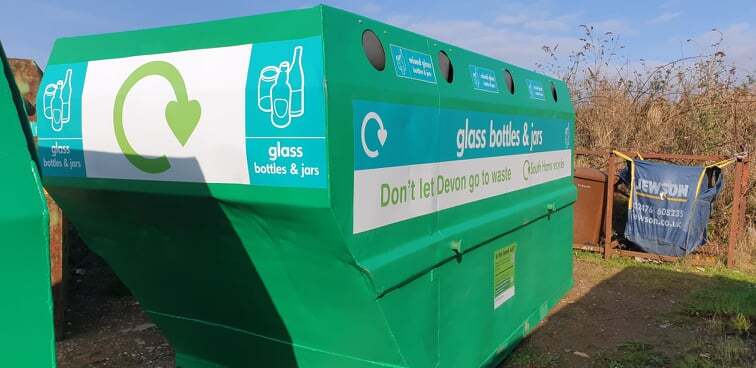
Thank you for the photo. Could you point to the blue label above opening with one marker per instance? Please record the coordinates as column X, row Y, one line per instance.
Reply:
column 535, row 90
column 413, row 64
column 484, row 79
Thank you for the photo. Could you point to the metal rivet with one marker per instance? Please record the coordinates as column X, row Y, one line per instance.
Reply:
column 456, row 246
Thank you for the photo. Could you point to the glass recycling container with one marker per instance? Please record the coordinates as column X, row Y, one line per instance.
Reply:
column 314, row 188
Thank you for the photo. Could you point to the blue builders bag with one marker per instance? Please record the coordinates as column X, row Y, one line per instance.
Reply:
column 669, row 205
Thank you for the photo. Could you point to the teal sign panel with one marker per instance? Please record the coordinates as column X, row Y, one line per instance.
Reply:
column 285, row 119
column 61, row 150
column 388, row 135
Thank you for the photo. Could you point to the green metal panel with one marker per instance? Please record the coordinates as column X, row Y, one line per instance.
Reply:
column 240, row 267
column 27, row 335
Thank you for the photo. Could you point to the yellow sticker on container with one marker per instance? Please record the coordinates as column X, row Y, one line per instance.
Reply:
column 503, row 275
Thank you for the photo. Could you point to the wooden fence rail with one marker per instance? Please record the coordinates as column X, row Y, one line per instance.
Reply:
column 610, row 246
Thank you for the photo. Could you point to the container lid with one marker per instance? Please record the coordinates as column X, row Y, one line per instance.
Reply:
column 590, row 174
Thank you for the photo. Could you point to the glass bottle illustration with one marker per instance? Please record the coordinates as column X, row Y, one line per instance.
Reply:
column 296, row 80
column 57, row 102
column 268, row 77
column 57, row 107
column 65, row 98
column 281, row 90
column 280, row 94
column 400, row 63
column 47, row 104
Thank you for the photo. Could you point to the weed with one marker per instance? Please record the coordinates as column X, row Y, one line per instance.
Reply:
column 741, row 324
column 525, row 358
column 718, row 348
column 693, row 361
column 634, row 354
column 715, row 326
column 731, row 352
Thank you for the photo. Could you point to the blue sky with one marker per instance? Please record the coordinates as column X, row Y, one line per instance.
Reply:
column 509, row 30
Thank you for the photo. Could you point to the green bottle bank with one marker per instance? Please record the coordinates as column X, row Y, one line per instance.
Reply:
column 27, row 337
column 315, row 189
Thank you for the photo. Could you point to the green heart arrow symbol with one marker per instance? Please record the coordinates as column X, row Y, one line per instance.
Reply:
column 182, row 115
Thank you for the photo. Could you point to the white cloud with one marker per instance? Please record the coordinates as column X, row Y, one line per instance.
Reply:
column 546, row 25
column 365, row 7
column 512, row 32
column 665, row 17
column 510, row 20
column 535, row 17
column 615, row 26
column 670, row 4
column 735, row 40
column 739, row 46
column 512, row 43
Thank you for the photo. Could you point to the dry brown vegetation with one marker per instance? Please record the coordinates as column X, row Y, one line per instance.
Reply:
column 695, row 105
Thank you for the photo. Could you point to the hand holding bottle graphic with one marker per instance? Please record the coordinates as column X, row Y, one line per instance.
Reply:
column 57, row 102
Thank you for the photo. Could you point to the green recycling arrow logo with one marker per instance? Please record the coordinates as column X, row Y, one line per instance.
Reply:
column 182, row 115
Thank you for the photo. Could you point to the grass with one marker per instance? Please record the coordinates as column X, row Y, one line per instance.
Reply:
column 724, row 351
column 525, row 358
column 721, row 302
column 725, row 297
column 707, row 314
column 727, row 292
column 680, row 266
column 633, row 354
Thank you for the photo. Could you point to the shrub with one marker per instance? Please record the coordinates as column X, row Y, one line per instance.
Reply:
column 694, row 105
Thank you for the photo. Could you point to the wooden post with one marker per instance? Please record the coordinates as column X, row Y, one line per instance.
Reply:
column 744, row 194
column 737, row 202
column 609, row 206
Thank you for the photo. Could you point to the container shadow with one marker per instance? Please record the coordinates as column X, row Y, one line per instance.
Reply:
column 638, row 305
column 174, row 247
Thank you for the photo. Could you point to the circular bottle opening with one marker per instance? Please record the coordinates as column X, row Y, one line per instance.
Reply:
column 554, row 92
column 373, row 50
column 509, row 81
column 446, row 67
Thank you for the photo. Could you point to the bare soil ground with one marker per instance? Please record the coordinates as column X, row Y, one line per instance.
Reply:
column 618, row 314
column 105, row 326
column 624, row 313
